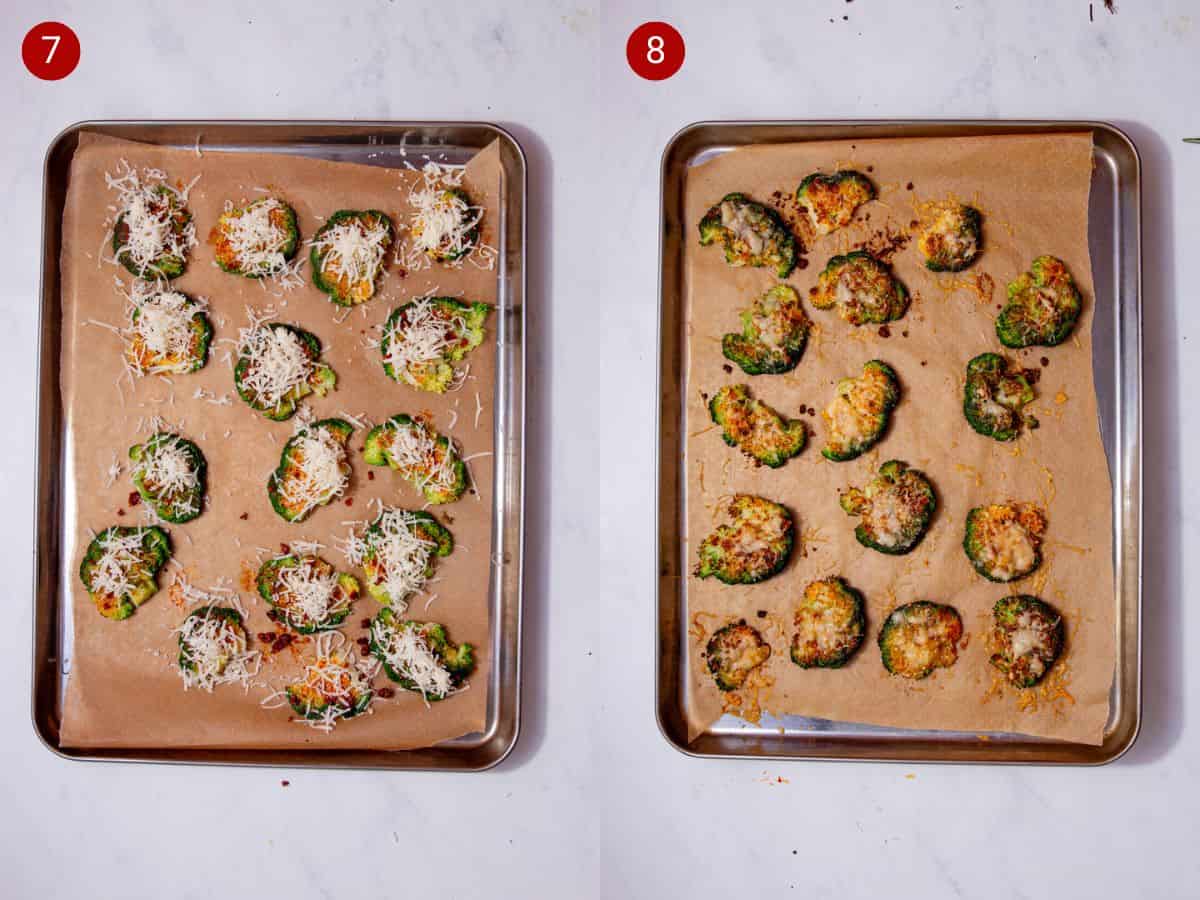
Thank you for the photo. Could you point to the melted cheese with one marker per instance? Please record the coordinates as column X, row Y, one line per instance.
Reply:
column 736, row 218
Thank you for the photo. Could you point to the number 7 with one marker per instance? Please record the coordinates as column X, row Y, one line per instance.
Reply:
column 54, row 39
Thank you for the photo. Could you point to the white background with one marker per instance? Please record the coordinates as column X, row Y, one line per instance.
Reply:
column 594, row 803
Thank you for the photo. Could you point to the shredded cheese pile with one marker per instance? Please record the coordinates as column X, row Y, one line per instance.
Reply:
column 353, row 250
column 167, row 470
column 441, row 222
column 217, row 649
column 141, row 205
column 334, row 678
column 421, row 339
column 320, row 470
column 120, row 556
column 311, row 591
column 255, row 239
column 400, row 552
column 278, row 361
column 161, row 324
column 415, row 451
column 404, row 649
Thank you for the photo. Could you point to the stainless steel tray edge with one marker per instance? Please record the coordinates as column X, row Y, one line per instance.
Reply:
column 468, row 754
column 883, row 744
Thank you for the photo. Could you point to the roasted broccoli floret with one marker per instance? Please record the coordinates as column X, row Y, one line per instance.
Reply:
column 278, row 366
column 752, row 234
column 398, row 552
column 995, row 397
column 331, row 689
column 150, row 239
column 951, row 237
column 734, row 652
column 450, row 230
column 858, row 415
column 419, row 656
column 307, row 593
column 1004, row 540
column 1026, row 639
column 774, row 332
column 120, row 568
column 895, row 507
column 424, row 458
column 209, row 639
column 314, row 468
column 831, row 200
column 348, row 253
column 422, row 341
column 169, row 473
column 830, row 622
column 257, row 240
column 169, row 334
column 862, row 288
column 758, row 430
column 753, row 547
column 920, row 637
column 1042, row 307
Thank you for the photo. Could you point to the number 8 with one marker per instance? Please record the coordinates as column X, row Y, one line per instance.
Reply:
column 654, row 53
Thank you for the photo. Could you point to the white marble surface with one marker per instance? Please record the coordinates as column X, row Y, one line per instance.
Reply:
column 594, row 803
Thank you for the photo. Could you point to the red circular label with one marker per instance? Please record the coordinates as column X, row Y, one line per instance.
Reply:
column 655, row 51
column 50, row 51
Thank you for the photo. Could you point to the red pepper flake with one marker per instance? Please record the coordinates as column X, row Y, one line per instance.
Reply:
column 370, row 476
column 244, row 516
column 134, row 498
column 1044, row 361
column 386, row 693
column 727, row 367
column 908, row 187
column 285, row 549
column 884, row 331
column 120, row 512
column 802, row 263
column 904, row 333
column 365, row 623
column 924, row 363
column 282, row 643
column 273, row 615
column 266, row 637
column 869, row 168
column 349, row 501
column 284, row 783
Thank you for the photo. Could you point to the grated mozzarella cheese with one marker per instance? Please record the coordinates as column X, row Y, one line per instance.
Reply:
column 140, row 205
column 406, row 652
column 416, row 454
column 353, row 250
column 421, row 339
column 167, row 470
column 218, row 650
column 278, row 362
column 321, row 471
column 400, row 553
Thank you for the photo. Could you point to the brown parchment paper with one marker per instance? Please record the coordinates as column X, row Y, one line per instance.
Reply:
column 123, row 688
column 1033, row 193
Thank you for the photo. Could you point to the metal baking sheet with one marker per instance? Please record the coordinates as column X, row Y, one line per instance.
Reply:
column 1115, row 243
column 371, row 143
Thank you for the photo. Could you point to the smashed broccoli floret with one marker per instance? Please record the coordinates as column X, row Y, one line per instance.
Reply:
column 951, row 237
column 419, row 656
column 293, row 492
column 1026, row 639
column 169, row 473
column 320, row 379
column 1043, row 305
column 155, row 346
column 452, row 241
column 995, row 397
column 831, row 200
column 857, row 417
column 896, row 507
column 120, row 568
column 774, row 332
column 752, row 234
column 378, row 559
column 830, row 622
column 307, row 593
column 734, row 652
column 754, row 546
column 755, row 428
column 348, row 254
column 256, row 240
column 1004, row 540
column 166, row 206
column 423, row 457
column 863, row 289
column 422, row 340
column 205, row 662
column 920, row 637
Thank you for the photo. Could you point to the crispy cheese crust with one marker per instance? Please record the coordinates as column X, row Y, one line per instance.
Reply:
column 951, row 237
column 861, row 288
column 857, row 417
column 755, row 428
column 830, row 623
column 995, row 396
column 734, row 652
column 896, row 508
column 831, row 200
column 920, row 637
column 752, row 234
column 1027, row 638
column 1043, row 305
column 1004, row 540
column 754, row 546
column 774, row 333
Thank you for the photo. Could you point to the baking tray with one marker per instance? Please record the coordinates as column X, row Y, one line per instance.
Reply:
column 1114, row 239
column 372, row 143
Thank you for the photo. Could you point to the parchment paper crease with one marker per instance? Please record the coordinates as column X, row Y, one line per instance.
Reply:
column 1033, row 193
column 123, row 688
